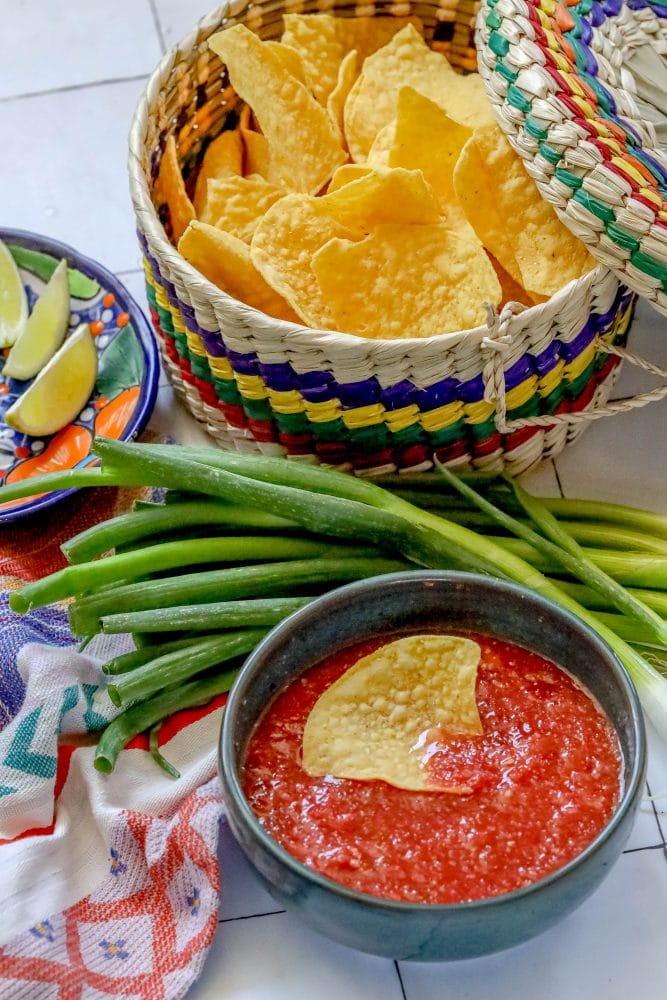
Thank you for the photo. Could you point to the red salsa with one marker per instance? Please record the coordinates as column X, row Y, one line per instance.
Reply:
column 545, row 777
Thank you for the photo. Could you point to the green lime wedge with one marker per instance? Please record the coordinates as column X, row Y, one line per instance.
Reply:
column 61, row 390
column 44, row 264
column 13, row 300
column 44, row 330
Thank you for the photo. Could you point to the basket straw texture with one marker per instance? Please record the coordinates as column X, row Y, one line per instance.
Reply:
column 503, row 396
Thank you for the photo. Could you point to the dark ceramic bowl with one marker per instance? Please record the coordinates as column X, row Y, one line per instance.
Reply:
column 431, row 601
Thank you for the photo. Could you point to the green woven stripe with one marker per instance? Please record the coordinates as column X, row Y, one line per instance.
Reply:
column 584, row 7
column 649, row 265
column 150, row 295
column 568, row 178
column 600, row 92
column 493, row 20
column 549, row 403
column 535, row 130
column 413, row 434
column 594, row 206
column 577, row 385
column 498, row 45
column 528, row 409
column 257, row 409
column 480, row 432
column 227, row 391
column 330, row 430
column 292, row 423
column 181, row 342
column 550, row 154
column 166, row 321
column 369, row 438
column 505, row 71
column 448, row 434
column 200, row 368
column 518, row 99
column 623, row 239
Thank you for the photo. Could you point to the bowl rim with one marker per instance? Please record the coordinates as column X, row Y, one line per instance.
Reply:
column 146, row 402
column 232, row 786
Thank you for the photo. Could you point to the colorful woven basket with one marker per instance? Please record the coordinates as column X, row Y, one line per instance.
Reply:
column 503, row 396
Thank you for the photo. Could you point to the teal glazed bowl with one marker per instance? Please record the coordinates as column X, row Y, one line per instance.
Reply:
column 433, row 601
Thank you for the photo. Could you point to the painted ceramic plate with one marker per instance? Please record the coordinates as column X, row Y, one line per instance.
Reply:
column 127, row 378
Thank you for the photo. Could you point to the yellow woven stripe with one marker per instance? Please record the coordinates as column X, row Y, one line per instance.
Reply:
column 552, row 379
column 652, row 196
column 220, row 367
column 587, row 110
column 251, row 386
column 607, row 139
column 478, row 413
column 576, row 367
column 363, row 416
column 442, row 416
column 521, row 393
column 562, row 65
column 398, row 420
column 286, row 400
column 320, row 413
column 548, row 6
column 663, row 216
column 629, row 169
column 148, row 271
column 177, row 320
column 195, row 345
column 161, row 298
column 574, row 85
column 545, row 20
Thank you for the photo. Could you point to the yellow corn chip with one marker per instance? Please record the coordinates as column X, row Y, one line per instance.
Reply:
column 426, row 139
column 511, row 291
column 170, row 191
column 347, row 74
column 348, row 172
column 284, row 242
column 512, row 219
column 236, row 204
column 406, row 61
column 323, row 41
column 467, row 102
column 406, row 281
column 225, row 260
column 290, row 59
column 304, row 143
column 383, row 195
column 223, row 158
column 380, row 720
column 378, row 154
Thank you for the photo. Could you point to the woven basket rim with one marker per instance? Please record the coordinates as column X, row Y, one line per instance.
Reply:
column 242, row 312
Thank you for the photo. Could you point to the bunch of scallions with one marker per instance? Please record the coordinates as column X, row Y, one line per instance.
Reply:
column 240, row 541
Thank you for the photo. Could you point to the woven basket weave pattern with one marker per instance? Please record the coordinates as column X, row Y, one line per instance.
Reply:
column 373, row 405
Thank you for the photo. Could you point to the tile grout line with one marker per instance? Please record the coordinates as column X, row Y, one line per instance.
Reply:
column 655, row 814
column 158, row 26
column 251, row 916
column 650, row 847
column 72, row 87
column 558, row 479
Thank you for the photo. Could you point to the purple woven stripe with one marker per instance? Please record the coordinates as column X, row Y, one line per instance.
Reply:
column 636, row 4
column 244, row 364
column 574, row 348
column 519, row 372
column 586, row 31
column 213, row 344
column 612, row 8
column 278, row 376
column 597, row 14
column 441, row 393
column 548, row 359
column 394, row 397
column 659, row 10
column 362, row 393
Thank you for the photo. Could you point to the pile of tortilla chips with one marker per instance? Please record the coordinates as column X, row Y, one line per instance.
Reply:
column 367, row 188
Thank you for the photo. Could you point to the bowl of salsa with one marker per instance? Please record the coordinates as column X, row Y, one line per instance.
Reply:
column 432, row 765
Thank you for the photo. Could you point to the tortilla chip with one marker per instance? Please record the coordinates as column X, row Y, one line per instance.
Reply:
column 347, row 74
column 511, row 291
column 512, row 219
column 347, row 173
column 426, row 139
column 236, row 204
column 406, row 281
column 383, row 195
column 290, row 59
column 406, row 61
column 382, row 718
column 378, row 154
column 225, row 260
column 323, row 41
column 284, row 242
column 223, row 158
column 170, row 191
column 304, row 144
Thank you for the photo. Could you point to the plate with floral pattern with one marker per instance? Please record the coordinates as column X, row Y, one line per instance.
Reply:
column 127, row 378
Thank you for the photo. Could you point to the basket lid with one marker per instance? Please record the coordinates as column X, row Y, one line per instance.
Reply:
column 580, row 89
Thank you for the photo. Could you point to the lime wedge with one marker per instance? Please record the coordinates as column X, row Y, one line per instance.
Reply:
column 13, row 300
column 44, row 330
column 61, row 390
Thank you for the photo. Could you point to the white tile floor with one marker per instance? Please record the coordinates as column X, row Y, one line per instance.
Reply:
column 70, row 74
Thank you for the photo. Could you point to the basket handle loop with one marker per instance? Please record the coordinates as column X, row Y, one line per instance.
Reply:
column 497, row 343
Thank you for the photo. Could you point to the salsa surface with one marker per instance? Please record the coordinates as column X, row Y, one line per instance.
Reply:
column 545, row 779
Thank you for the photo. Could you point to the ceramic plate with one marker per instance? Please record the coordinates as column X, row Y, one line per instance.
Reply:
column 127, row 378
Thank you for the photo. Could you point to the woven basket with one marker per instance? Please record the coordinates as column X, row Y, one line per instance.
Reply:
column 504, row 396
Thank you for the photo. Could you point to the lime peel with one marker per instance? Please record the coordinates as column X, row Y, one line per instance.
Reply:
column 61, row 390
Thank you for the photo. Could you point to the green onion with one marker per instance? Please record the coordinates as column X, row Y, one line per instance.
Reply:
column 180, row 665
column 169, row 555
column 217, row 615
column 160, row 760
column 143, row 654
column 143, row 716
column 632, row 569
column 159, row 519
column 655, row 599
column 233, row 583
